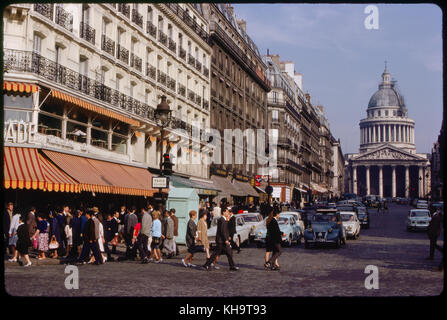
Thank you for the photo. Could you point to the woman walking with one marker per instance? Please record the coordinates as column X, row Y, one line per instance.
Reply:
column 191, row 231
column 202, row 235
column 273, row 240
column 156, row 236
column 13, row 236
column 43, row 227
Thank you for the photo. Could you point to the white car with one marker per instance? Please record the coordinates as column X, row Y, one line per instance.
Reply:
column 418, row 219
column 298, row 219
column 254, row 220
column 421, row 204
column 242, row 230
column 351, row 224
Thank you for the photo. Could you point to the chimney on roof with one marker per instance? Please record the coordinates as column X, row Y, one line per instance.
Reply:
column 242, row 24
column 275, row 59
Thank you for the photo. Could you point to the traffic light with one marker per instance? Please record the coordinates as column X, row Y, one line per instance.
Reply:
column 167, row 164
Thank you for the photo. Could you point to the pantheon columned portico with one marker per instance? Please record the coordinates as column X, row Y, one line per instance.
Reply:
column 387, row 163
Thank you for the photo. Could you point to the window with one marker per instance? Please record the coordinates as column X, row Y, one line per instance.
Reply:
column 58, row 53
column 37, row 43
column 386, row 113
column 17, row 106
column 117, row 83
column 149, row 13
column 275, row 115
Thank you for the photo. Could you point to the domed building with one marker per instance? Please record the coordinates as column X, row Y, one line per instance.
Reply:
column 387, row 163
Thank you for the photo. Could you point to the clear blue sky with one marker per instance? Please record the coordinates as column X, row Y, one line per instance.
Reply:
column 342, row 62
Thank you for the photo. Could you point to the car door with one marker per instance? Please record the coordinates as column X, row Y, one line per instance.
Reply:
column 241, row 229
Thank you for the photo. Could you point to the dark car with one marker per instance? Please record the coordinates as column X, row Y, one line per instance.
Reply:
column 325, row 227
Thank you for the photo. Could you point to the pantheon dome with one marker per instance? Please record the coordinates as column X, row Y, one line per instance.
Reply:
column 386, row 119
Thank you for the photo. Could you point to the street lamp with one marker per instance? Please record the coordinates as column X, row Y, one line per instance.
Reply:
column 163, row 118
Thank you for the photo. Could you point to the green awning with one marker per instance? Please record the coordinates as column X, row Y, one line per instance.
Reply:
column 202, row 188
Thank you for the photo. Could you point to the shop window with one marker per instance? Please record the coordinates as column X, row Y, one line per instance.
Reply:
column 119, row 143
column 99, row 138
column 50, row 124
column 18, row 107
column 76, row 131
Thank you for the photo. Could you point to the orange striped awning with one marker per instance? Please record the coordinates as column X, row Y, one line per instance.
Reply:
column 20, row 87
column 103, row 176
column 25, row 168
column 89, row 106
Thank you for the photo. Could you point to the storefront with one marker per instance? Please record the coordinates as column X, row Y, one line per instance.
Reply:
column 206, row 191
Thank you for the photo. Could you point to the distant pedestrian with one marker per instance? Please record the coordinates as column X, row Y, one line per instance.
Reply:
column 156, row 236
column 191, row 235
column 130, row 222
column 232, row 231
column 76, row 232
column 202, row 235
column 168, row 237
column 143, row 237
column 268, row 246
column 7, row 218
column 175, row 220
column 433, row 232
column 43, row 228
column 110, row 235
column 274, row 240
column 90, row 240
column 55, row 234
column 12, row 235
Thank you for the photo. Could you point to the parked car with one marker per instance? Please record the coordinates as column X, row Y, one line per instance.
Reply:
column 422, row 204
column 254, row 220
column 351, row 224
column 291, row 231
column 325, row 227
column 242, row 230
column 362, row 213
column 348, row 208
column 298, row 218
column 418, row 219
column 331, row 205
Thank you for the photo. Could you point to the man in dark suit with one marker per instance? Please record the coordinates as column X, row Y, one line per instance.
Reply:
column 90, row 240
column 75, row 225
column 433, row 231
column 222, row 243
column 130, row 222
column 110, row 232
column 232, row 231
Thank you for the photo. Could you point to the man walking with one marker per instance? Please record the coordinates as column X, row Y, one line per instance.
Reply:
column 143, row 236
column 75, row 225
column 222, row 243
column 169, row 236
column 232, row 231
column 433, row 231
column 175, row 220
column 7, row 218
column 130, row 222
column 110, row 233
column 90, row 240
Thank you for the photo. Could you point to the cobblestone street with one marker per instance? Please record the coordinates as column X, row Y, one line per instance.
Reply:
column 399, row 255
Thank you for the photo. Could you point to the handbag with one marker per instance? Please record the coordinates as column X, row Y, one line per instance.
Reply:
column 35, row 243
column 53, row 243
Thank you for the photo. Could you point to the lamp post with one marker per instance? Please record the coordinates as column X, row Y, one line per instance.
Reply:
column 269, row 188
column 163, row 118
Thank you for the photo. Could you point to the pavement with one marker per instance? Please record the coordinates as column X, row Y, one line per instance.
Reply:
column 399, row 256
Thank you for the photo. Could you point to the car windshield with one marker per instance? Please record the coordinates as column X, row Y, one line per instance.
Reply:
column 419, row 213
column 323, row 217
column 347, row 217
column 251, row 219
column 283, row 220
column 345, row 208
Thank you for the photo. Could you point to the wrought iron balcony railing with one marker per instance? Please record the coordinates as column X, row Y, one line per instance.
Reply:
column 64, row 19
column 182, row 53
column 151, row 29
column 45, row 9
column 108, row 45
column 206, row 104
column 122, row 54
column 31, row 62
column 124, row 9
column 162, row 38
column 198, row 66
column 170, row 83
column 182, row 90
column 86, row 32
column 172, row 45
column 191, row 96
column 183, row 15
column 137, row 18
column 136, row 62
column 151, row 71
column 199, row 100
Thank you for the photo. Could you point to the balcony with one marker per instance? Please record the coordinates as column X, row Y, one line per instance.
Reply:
column 124, row 9
column 183, row 15
column 199, row 100
column 45, row 9
column 198, row 66
column 162, row 38
column 191, row 96
column 206, row 104
column 182, row 53
column 108, row 45
column 172, row 45
column 170, row 83
column 286, row 142
column 136, row 62
column 64, row 19
column 206, row 72
column 161, row 77
column 86, row 32
column 30, row 62
column 137, row 18
column 182, row 90
column 151, row 29
column 191, row 60
column 151, row 71
column 122, row 54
